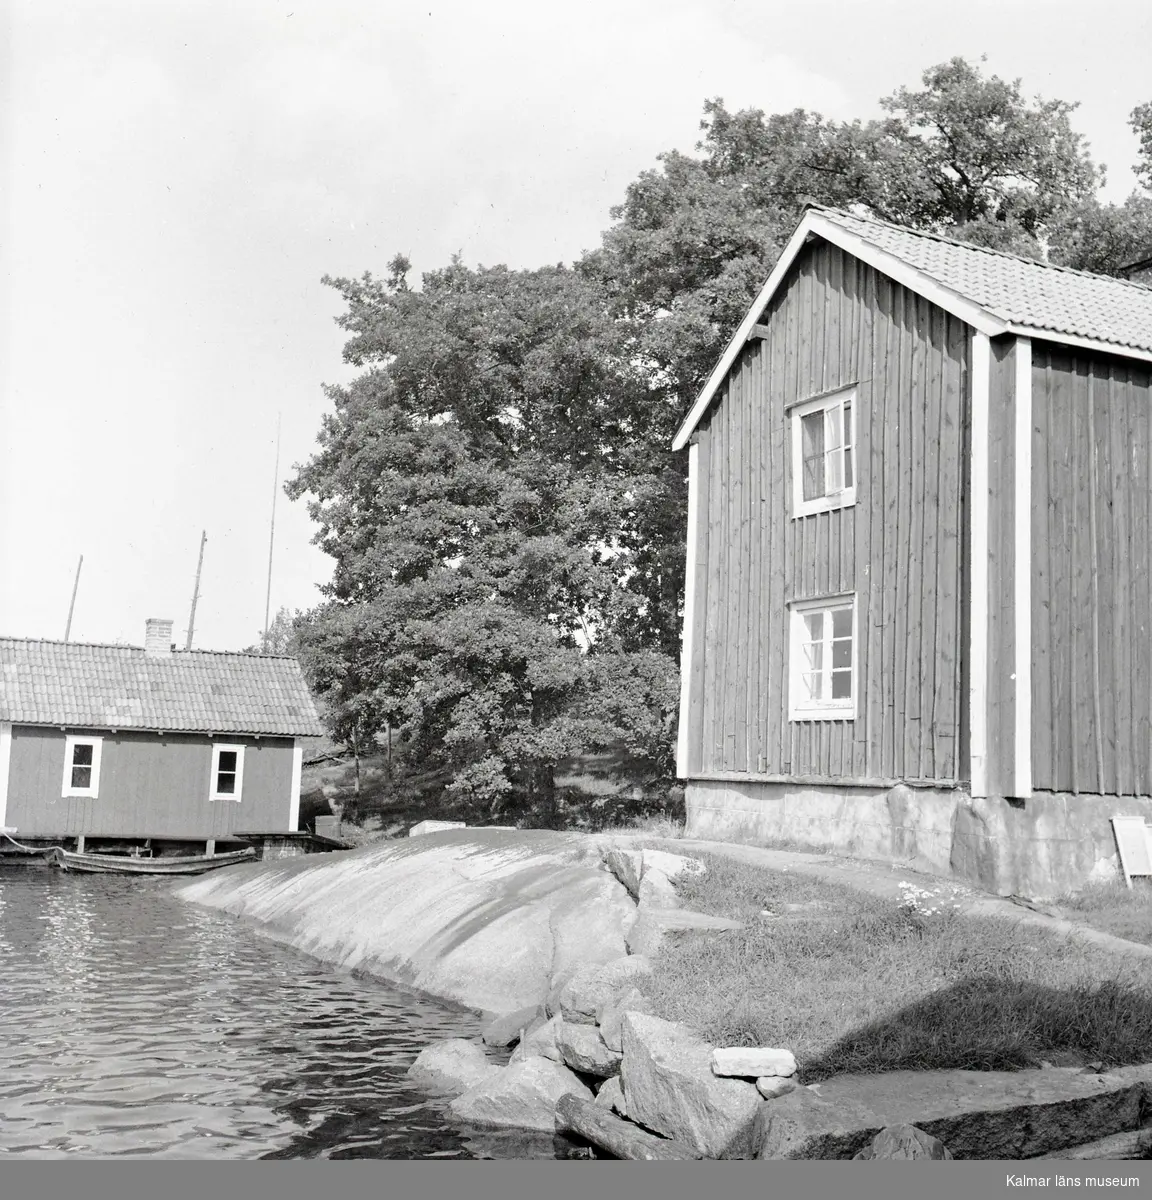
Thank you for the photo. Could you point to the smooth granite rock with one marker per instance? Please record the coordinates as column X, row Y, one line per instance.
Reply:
column 423, row 827
column 669, row 1088
column 486, row 918
column 976, row 1114
column 522, row 1096
column 454, row 1065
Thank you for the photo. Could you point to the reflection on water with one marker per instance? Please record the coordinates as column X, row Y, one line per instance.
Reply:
column 138, row 1025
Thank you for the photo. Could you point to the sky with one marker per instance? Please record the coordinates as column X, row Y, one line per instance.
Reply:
column 176, row 178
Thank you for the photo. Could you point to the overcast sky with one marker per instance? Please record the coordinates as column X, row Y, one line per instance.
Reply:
column 178, row 176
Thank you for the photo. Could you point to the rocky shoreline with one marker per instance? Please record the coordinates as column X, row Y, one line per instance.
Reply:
column 551, row 934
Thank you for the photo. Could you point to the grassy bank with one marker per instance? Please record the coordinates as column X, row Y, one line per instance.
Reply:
column 853, row 983
column 1116, row 909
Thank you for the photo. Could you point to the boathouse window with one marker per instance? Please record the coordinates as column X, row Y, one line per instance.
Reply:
column 824, row 453
column 81, row 766
column 822, row 665
column 227, row 772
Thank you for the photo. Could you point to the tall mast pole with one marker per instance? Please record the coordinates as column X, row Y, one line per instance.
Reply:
column 196, row 590
column 272, row 535
column 72, row 606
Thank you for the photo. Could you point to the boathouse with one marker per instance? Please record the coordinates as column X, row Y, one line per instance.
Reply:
column 100, row 744
column 918, row 608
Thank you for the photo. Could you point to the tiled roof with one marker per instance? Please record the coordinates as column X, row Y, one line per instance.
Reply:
column 122, row 687
column 1055, row 300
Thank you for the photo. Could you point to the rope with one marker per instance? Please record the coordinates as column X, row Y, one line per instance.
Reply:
column 19, row 846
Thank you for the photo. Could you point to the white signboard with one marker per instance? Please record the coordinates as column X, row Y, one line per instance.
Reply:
column 1134, row 841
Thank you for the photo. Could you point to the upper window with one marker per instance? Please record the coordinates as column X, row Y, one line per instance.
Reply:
column 81, row 766
column 822, row 666
column 824, row 453
column 227, row 772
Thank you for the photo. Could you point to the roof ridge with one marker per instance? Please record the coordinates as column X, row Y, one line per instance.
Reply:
column 954, row 241
column 141, row 649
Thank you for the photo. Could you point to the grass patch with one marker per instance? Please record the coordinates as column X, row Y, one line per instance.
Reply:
column 1113, row 908
column 852, row 983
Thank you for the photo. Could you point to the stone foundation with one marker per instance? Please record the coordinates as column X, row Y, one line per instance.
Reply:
column 1045, row 846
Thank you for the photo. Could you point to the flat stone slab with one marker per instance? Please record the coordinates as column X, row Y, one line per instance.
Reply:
column 654, row 924
column 752, row 1062
column 976, row 1114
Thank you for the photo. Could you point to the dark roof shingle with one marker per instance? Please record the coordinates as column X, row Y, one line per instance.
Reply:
column 122, row 687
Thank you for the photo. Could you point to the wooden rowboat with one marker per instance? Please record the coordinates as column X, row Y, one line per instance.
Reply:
column 124, row 864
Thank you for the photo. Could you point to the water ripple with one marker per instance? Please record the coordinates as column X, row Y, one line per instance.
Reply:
column 136, row 1025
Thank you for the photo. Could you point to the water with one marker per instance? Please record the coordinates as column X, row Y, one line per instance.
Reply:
column 138, row 1025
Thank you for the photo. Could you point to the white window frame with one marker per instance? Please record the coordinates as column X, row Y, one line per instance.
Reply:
column 803, row 709
column 844, row 497
column 71, row 741
column 222, row 748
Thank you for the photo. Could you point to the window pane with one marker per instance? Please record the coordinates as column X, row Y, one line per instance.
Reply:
column 812, row 450
column 226, row 783
column 814, row 625
column 841, row 653
column 82, row 776
column 842, row 685
column 833, row 429
column 813, row 655
column 813, row 685
column 82, row 755
column 848, row 468
column 841, row 622
column 228, row 761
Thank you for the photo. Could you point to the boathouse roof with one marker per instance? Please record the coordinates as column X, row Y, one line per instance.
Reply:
column 83, row 685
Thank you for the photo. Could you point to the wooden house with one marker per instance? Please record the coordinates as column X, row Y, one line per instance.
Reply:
column 104, row 744
column 918, row 610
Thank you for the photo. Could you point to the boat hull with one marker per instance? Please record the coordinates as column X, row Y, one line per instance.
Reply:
column 119, row 864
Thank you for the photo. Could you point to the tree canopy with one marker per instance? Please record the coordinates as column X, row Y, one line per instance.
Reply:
column 496, row 488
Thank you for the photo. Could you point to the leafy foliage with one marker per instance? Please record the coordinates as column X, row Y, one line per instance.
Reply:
column 496, row 488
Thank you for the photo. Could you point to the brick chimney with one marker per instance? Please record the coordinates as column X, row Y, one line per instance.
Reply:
column 157, row 638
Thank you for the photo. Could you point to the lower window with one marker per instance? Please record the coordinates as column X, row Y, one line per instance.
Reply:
column 227, row 772
column 822, row 662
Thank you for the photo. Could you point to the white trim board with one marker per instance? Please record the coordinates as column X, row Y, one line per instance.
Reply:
column 815, row 224
column 294, row 795
column 5, row 768
column 1022, row 571
column 980, row 387
column 689, row 610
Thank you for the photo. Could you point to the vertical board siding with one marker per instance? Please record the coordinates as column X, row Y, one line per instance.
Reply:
column 1091, row 593
column 1001, row 649
column 150, row 785
column 835, row 322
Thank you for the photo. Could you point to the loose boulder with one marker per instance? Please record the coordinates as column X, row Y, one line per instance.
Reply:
column 454, row 1065
column 611, row 1095
column 771, row 1086
column 904, row 1141
column 628, row 867
column 523, row 1096
column 539, row 1043
column 610, row 1015
column 669, row 1087
column 583, row 1049
column 593, row 987
column 752, row 1062
column 423, row 827
column 656, row 891
column 507, row 1030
